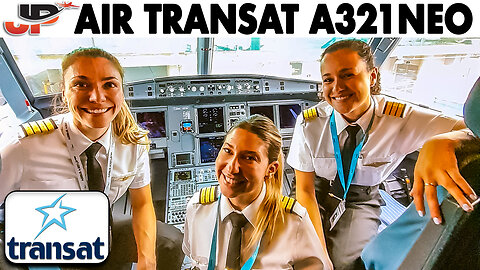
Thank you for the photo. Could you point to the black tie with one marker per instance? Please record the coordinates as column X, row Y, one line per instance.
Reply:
column 347, row 153
column 94, row 171
column 234, row 245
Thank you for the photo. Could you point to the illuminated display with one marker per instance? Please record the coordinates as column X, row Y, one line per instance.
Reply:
column 263, row 110
column 153, row 122
column 183, row 159
column 288, row 115
column 187, row 126
column 182, row 175
column 210, row 120
column 209, row 148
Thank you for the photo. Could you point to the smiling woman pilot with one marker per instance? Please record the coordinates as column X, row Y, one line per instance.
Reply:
column 248, row 224
column 97, row 133
column 347, row 145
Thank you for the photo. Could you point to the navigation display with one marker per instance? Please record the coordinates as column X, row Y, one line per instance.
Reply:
column 154, row 122
column 288, row 115
column 263, row 110
column 209, row 148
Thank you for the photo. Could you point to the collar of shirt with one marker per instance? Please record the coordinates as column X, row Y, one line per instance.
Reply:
column 363, row 121
column 250, row 212
column 82, row 142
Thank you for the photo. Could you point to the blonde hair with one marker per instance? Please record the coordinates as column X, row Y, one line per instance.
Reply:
column 124, row 124
column 271, row 207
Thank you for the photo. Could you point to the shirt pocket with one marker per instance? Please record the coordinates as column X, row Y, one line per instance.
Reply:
column 371, row 170
column 51, row 184
column 120, row 184
column 325, row 167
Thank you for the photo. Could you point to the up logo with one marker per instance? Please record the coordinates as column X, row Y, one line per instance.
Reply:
column 56, row 227
column 39, row 14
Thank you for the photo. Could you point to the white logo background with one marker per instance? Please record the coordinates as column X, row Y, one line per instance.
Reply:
column 88, row 222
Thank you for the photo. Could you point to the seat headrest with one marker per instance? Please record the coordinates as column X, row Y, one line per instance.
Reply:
column 471, row 109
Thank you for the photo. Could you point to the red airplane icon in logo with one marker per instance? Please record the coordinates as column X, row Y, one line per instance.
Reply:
column 66, row 5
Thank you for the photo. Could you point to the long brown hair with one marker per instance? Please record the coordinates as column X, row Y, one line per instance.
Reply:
column 124, row 124
column 365, row 53
column 271, row 207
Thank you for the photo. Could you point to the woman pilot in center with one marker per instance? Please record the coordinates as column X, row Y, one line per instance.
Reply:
column 248, row 224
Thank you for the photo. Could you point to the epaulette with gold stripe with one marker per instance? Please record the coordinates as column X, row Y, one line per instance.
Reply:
column 288, row 203
column 208, row 195
column 393, row 108
column 38, row 127
column 309, row 114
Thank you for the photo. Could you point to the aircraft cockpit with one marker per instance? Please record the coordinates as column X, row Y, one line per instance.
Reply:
column 188, row 92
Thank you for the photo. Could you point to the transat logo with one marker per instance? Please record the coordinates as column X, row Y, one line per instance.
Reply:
column 56, row 227
column 55, row 214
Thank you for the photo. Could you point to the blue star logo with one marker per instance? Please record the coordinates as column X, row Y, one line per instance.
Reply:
column 53, row 213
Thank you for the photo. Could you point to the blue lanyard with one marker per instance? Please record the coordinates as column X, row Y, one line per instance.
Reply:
column 356, row 152
column 213, row 248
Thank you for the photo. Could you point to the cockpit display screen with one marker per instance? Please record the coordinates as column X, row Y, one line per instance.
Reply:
column 288, row 115
column 209, row 148
column 263, row 110
column 154, row 122
column 210, row 120
column 183, row 175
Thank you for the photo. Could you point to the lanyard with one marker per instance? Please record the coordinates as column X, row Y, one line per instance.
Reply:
column 79, row 170
column 213, row 248
column 356, row 152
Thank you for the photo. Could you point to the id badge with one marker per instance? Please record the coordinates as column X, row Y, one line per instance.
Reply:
column 337, row 214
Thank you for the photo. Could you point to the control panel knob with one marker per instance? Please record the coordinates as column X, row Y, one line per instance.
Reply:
column 247, row 85
column 202, row 88
column 256, row 87
column 194, row 89
column 171, row 89
column 229, row 87
column 239, row 87
column 181, row 89
column 162, row 90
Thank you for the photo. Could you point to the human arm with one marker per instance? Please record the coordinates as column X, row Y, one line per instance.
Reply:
column 309, row 253
column 11, row 169
column 144, row 226
column 437, row 165
column 305, row 187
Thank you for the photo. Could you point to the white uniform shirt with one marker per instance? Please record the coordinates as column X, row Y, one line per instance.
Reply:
column 391, row 138
column 43, row 162
column 295, row 244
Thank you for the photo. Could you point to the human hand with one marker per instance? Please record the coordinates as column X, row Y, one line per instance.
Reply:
column 437, row 165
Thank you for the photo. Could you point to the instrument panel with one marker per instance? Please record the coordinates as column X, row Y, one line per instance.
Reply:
column 189, row 117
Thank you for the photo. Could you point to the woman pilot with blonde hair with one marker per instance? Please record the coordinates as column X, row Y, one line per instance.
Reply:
column 97, row 145
column 246, row 223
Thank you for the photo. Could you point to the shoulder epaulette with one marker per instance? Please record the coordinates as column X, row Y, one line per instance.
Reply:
column 38, row 127
column 288, row 203
column 208, row 195
column 393, row 108
column 311, row 113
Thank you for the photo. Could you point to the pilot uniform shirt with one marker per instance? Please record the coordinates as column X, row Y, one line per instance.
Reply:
column 390, row 139
column 295, row 245
column 43, row 162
